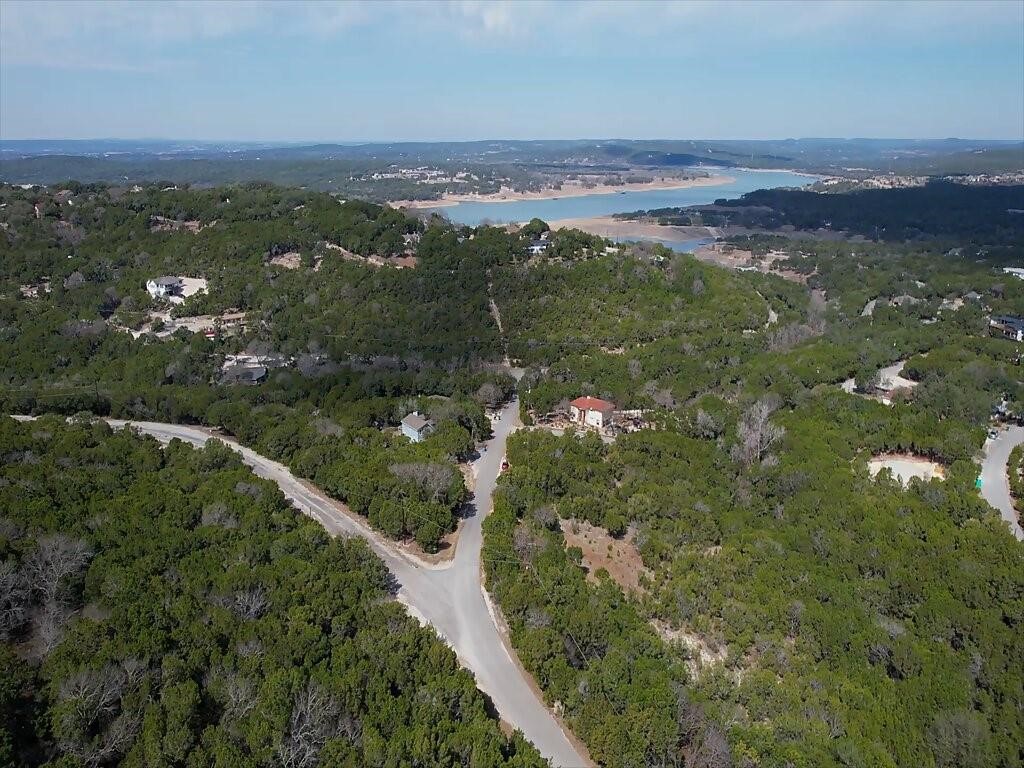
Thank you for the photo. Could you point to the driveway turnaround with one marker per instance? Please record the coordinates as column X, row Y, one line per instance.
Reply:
column 450, row 596
column 995, row 486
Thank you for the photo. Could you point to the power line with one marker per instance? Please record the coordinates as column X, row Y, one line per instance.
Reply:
column 530, row 569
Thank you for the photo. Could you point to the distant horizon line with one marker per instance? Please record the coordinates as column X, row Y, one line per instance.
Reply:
column 358, row 142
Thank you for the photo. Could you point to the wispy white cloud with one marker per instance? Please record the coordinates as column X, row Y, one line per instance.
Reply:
column 143, row 36
column 494, row 18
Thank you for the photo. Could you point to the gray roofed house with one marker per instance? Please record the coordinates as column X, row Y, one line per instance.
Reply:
column 249, row 375
column 899, row 301
column 416, row 427
column 1008, row 326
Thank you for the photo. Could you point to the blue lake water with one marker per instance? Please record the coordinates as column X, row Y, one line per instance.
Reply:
column 585, row 206
column 686, row 246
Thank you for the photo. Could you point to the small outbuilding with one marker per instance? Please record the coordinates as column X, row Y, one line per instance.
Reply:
column 591, row 411
column 417, row 427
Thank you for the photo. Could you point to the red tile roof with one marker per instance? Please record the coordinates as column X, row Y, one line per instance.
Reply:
column 592, row 404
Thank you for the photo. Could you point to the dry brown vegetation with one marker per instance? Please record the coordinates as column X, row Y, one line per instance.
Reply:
column 619, row 557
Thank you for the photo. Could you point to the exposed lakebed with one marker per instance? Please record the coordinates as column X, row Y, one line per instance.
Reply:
column 583, row 206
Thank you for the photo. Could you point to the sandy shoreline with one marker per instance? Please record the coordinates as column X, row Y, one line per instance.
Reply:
column 569, row 190
column 608, row 226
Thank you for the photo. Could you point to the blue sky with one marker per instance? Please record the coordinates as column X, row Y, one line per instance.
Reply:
column 250, row 70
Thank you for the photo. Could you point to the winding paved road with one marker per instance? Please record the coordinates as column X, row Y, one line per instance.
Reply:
column 449, row 596
column 995, row 487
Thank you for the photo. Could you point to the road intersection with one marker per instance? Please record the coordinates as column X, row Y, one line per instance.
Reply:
column 448, row 596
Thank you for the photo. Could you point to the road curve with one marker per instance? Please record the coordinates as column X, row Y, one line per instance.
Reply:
column 995, row 486
column 451, row 598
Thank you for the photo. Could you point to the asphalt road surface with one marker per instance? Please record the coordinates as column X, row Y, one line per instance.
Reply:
column 995, row 487
column 450, row 596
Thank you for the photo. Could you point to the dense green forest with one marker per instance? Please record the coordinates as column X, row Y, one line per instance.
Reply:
column 369, row 344
column 167, row 607
column 843, row 638
column 940, row 209
column 792, row 610
column 810, row 612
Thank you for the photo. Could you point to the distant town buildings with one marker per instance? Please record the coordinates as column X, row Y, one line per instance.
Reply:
column 417, row 427
column 898, row 181
column 423, row 174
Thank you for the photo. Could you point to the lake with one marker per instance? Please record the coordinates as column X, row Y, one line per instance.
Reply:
column 585, row 206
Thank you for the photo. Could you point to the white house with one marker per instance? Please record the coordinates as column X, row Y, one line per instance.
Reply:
column 162, row 287
column 537, row 247
column 591, row 411
column 1015, row 271
column 416, row 427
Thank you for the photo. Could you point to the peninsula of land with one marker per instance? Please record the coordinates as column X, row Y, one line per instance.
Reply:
column 568, row 189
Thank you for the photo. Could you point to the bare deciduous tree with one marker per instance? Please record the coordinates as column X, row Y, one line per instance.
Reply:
column 707, row 426
column 433, row 479
column 217, row 514
column 788, row 336
column 48, row 625
column 546, row 516
column 689, row 714
column 250, row 647
column 537, row 617
column 756, row 433
column 92, row 706
column 119, row 737
column 489, row 394
column 525, row 543
column 251, row 603
column 10, row 530
column 662, row 397
column 795, row 613
column 316, row 718
column 240, row 696
column 959, row 738
column 710, row 750
column 57, row 557
column 834, row 723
